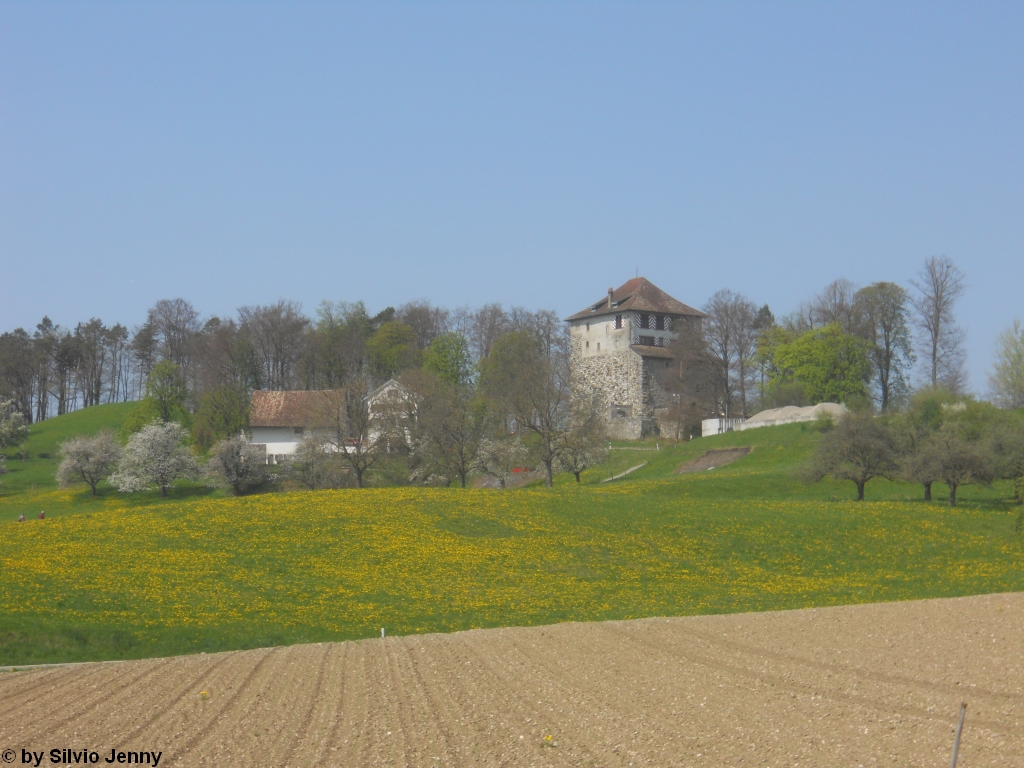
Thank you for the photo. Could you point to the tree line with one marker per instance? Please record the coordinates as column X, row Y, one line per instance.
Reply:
column 860, row 346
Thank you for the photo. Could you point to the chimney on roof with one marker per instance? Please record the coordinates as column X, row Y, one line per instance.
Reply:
column 610, row 291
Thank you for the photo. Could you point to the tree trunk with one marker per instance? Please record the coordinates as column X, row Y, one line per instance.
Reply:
column 860, row 491
column 163, row 491
column 577, row 477
column 952, row 495
column 462, row 479
column 927, row 491
column 549, row 476
column 93, row 486
column 359, row 478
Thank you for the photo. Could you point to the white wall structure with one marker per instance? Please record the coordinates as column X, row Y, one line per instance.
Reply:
column 619, row 350
column 710, row 427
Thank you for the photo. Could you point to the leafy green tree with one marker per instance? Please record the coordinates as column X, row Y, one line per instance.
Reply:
column 448, row 358
column 831, row 365
column 222, row 413
column 884, row 321
column 859, row 448
column 392, row 349
column 1007, row 379
column 166, row 400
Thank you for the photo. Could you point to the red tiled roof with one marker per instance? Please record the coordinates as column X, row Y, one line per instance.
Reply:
column 637, row 295
column 286, row 409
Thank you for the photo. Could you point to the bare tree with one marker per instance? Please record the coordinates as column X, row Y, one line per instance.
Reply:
column 237, row 464
column 499, row 458
column 358, row 435
column 427, row 321
column 583, row 443
column 449, row 424
column 939, row 285
column 276, row 334
column 837, row 304
column 88, row 459
column 317, row 464
column 730, row 331
column 174, row 324
column 858, row 449
column 485, row 326
column 527, row 377
column 884, row 322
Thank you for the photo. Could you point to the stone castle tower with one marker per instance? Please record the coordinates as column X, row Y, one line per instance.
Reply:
column 620, row 348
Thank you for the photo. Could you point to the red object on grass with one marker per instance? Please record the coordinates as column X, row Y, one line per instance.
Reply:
column 42, row 515
column 520, row 469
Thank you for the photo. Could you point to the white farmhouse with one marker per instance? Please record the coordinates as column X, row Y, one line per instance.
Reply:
column 279, row 420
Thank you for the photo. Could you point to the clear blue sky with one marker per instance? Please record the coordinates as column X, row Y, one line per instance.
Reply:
column 527, row 153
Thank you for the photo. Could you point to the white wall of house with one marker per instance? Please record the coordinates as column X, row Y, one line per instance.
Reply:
column 279, row 440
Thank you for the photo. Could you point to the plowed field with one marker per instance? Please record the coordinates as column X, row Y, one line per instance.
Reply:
column 851, row 686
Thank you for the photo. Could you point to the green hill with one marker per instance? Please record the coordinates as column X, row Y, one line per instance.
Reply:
column 36, row 471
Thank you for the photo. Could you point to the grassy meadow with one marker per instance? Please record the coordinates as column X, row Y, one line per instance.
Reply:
column 124, row 577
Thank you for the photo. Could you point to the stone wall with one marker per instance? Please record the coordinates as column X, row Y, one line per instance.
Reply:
column 615, row 382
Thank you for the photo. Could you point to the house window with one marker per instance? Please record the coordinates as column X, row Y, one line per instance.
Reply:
column 299, row 430
column 618, row 321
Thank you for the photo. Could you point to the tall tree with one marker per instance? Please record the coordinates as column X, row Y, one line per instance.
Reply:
column 276, row 335
column 939, row 285
column 1007, row 379
column 527, row 377
column 885, row 323
column 730, row 331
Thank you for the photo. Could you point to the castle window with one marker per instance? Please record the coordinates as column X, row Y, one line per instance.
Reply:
column 643, row 321
column 645, row 341
column 659, row 323
column 599, row 346
column 588, row 326
column 588, row 345
column 618, row 321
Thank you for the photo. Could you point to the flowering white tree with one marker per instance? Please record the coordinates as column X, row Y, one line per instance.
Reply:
column 155, row 456
column 88, row 459
column 238, row 464
column 13, row 429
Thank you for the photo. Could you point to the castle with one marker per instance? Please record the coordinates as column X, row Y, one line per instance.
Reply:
column 619, row 350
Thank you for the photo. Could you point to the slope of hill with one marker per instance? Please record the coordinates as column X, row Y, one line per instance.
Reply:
column 36, row 471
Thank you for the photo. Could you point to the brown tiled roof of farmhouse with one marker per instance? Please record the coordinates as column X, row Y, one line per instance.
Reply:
column 637, row 295
column 284, row 409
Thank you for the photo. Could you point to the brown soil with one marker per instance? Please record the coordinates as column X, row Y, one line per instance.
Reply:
column 712, row 459
column 851, row 686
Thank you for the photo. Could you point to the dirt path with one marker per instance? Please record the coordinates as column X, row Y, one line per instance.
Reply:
column 853, row 686
column 719, row 457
